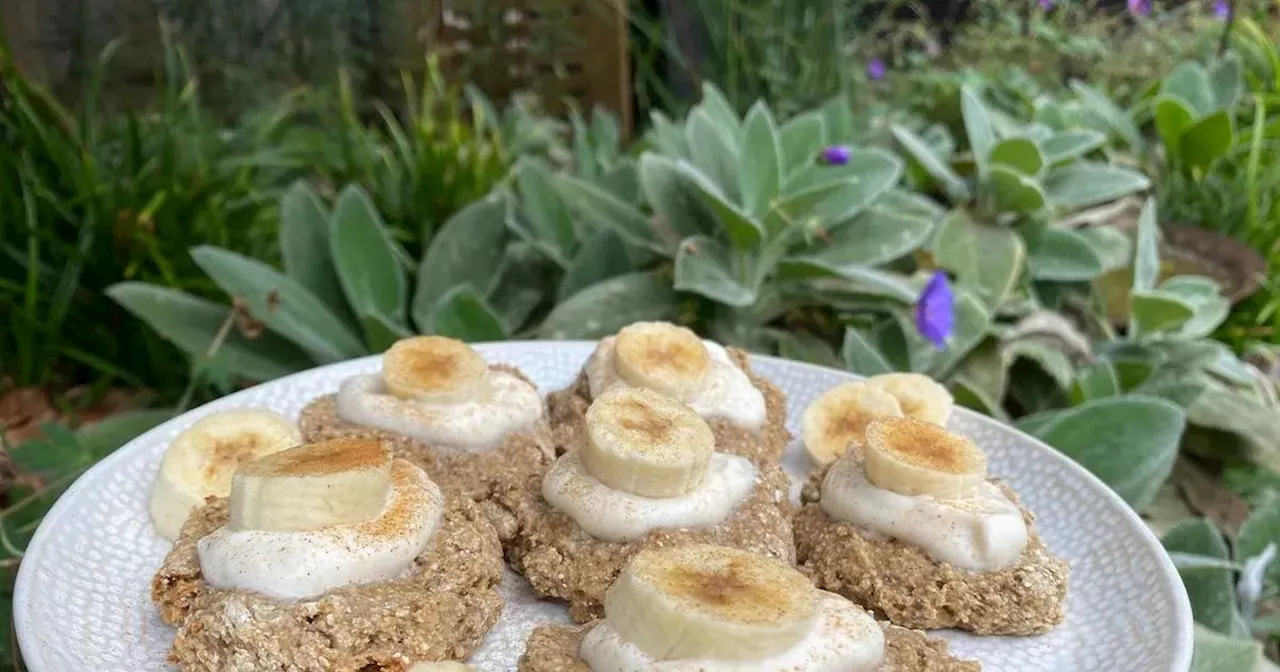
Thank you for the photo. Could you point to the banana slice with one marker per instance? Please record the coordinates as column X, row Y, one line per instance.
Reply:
column 312, row 486
column 662, row 357
column 701, row 601
column 839, row 419
column 200, row 461
column 442, row 666
column 919, row 395
column 915, row 457
column 647, row 444
column 433, row 368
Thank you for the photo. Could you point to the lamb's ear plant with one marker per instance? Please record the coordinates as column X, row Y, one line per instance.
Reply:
column 344, row 290
column 1193, row 114
column 744, row 219
column 1228, row 578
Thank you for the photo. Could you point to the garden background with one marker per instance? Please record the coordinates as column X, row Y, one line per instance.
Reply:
column 198, row 196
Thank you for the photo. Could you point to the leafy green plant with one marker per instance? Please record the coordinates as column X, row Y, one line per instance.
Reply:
column 421, row 163
column 344, row 292
column 742, row 221
column 1006, row 194
column 89, row 198
column 1192, row 113
column 1228, row 585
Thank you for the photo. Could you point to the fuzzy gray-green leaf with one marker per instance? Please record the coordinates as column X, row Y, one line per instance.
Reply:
column 602, row 256
column 988, row 259
column 761, row 168
column 381, row 333
column 714, row 151
column 1190, row 82
column 468, row 249
column 1155, row 311
column 801, row 140
column 1013, row 191
column 1216, row 652
column 1212, row 591
column 971, row 324
column 703, row 267
column 951, row 183
column 1115, row 118
column 1020, row 154
column 1146, row 262
column 861, row 356
column 1067, row 145
column 673, row 197
column 977, row 125
column 1129, row 442
column 548, row 216
column 192, row 324
column 279, row 302
column 601, row 209
column 604, row 308
column 1097, row 381
column 365, row 258
column 463, row 314
column 304, row 245
column 743, row 230
column 1208, row 139
column 1085, row 183
column 1113, row 247
column 1260, row 529
column 876, row 237
column 1227, row 81
column 865, row 279
column 1172, row 117
column 1061, row 255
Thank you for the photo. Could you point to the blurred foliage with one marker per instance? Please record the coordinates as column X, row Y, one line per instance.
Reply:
column 89, row 199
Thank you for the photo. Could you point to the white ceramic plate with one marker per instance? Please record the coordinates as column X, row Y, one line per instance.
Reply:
column 82, row 597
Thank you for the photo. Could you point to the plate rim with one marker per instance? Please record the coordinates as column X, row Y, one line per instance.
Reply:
column 34, row 661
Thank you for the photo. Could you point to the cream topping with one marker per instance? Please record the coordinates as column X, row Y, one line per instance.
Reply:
column 982, row 534
column 506, row 404
column 726, row 392
column 294, row 565
column 844, row 638
column 616, row 515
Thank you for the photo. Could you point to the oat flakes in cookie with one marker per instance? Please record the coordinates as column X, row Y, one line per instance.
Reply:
column 330, row 556
column 646, row 473
column 746, row 412
column 476, row 428
column 707, row 608
column 907, row 523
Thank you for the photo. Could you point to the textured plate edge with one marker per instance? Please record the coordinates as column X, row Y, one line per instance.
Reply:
column 35, row 662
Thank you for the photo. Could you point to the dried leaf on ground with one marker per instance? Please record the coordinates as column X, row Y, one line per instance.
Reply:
column 1207, row 496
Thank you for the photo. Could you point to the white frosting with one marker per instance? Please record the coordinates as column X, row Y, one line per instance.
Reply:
column 726, row 392
column 507, row 405
column 844, row 638
column 294, row 565
column 616, row 515
column 983, row 534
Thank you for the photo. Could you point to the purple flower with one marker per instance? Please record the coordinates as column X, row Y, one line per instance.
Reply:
column 836, row 155
column 1046, row 5
column 1222, row 9
column 935, row 310
column 876, row 69
column 1139, row 7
